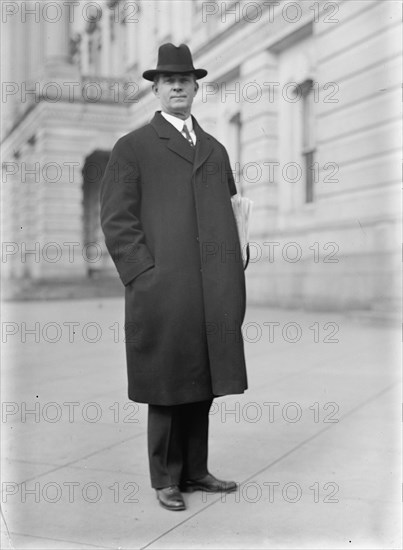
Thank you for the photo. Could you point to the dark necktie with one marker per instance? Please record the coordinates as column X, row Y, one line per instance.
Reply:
column 187, row 135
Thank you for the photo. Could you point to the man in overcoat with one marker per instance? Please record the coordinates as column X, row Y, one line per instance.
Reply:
column 169, row 226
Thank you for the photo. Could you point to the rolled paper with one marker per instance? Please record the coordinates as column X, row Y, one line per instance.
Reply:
column 242, row 208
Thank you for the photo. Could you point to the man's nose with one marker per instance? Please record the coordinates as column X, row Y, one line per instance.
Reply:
column 177, row 86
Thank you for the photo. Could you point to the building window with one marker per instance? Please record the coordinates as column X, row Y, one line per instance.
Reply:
column 98, row 57
column 197, row 5
column 95, row 53
column 112, row 26
column 308, row 138
column 90, row 52
column 122, row 52
column 75, row 49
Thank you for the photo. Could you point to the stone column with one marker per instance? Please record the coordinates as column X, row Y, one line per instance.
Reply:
column 56, row 17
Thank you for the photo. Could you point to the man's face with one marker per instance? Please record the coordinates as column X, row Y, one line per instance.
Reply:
column 176, row 93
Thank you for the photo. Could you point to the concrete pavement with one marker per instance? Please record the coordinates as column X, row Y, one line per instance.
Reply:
column 314, row 442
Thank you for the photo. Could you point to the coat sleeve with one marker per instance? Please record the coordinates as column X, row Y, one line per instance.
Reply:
column 230, row 175
column 233, row 191
column 120, row 198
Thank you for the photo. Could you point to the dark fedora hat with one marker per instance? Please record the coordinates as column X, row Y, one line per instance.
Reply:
column 174, row 59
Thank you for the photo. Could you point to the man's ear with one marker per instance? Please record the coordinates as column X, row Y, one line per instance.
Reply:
column 196, row 86
column 155, row 89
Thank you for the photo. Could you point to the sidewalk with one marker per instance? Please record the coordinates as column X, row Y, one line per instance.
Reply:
column 314, row 442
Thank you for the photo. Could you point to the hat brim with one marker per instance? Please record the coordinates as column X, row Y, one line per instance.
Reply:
column 151, row 74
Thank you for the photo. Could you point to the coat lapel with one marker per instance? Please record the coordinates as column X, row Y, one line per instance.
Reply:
column 172, row 138
column 178, row 144
column 204, row 146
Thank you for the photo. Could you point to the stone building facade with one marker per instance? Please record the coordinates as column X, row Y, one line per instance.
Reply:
column 303, row 94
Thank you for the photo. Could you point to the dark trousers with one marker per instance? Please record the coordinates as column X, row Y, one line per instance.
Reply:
column 177, row 442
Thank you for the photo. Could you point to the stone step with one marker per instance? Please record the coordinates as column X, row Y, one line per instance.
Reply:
column 376, row 317
column 101, row 286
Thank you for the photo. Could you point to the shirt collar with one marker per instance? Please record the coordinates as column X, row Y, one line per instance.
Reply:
column 178, row 122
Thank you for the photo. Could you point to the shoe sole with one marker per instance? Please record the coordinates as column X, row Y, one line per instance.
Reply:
column 193, row 488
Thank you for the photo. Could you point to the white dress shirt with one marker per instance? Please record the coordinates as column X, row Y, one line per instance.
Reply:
column 178, row 124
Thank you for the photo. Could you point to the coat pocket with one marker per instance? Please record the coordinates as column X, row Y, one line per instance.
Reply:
column 141, row 311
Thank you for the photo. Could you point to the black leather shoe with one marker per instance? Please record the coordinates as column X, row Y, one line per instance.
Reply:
column 171, row 498
column 210, row 484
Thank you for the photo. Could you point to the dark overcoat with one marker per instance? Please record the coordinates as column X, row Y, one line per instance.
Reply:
column 169, row 226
